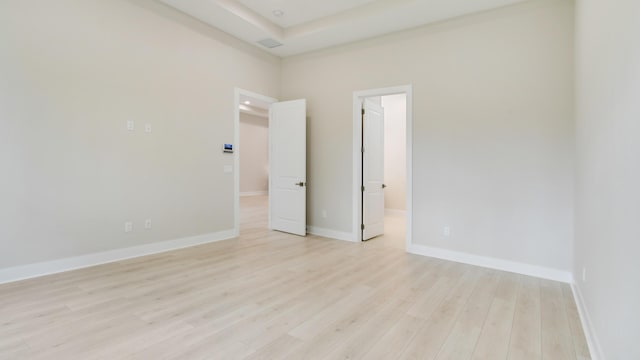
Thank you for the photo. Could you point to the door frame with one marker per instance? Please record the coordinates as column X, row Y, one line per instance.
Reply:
column 238, row 92
column 358, row 98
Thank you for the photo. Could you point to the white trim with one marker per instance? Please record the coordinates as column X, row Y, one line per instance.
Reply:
column 587, row 326
column 236, row 156
column 493, row 263
column 395, row 212
column 254, row 193
column 328, row 233
column 71, row 263
column 358, row 97
column 270, row 179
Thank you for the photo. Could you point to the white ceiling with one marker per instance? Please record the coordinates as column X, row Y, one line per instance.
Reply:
column 253, row 102
column 308, row 25
column 300, row 11
column 253, row 106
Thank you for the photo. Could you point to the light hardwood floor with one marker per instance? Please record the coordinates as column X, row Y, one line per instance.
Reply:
column 268, row 295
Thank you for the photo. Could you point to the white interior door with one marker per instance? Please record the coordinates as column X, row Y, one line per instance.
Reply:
column 372, row 170
column 288, row 167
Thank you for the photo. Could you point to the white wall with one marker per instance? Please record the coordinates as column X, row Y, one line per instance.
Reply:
column 493, row 129
column 254, row 153
column 395, row 151
column 73, row 72
column 607, row 240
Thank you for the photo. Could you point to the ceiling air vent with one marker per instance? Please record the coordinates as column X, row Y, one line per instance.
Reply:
column 269, row 43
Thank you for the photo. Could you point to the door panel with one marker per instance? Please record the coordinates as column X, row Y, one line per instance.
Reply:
column 372, row 170
column 288, row 166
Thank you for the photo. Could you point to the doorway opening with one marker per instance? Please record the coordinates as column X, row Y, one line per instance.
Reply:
column 251, row 160
column 382, row 166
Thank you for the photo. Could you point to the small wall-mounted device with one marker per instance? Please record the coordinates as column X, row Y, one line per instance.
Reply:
column 227, row 148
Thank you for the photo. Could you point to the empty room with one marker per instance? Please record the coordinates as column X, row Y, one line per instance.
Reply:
column 305, row 179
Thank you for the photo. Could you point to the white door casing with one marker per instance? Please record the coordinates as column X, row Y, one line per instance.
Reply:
column 288, row 166
column 372, row 170
column 358, row 98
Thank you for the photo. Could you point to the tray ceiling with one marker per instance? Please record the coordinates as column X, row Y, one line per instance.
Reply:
column 307, row 25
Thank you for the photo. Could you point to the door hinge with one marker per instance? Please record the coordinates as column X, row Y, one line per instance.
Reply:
column 362, row 111
column 362, row 149
column 362, row 188
column 361, row 226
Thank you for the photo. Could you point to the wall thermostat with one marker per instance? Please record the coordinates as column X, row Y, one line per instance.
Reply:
column 227, row 148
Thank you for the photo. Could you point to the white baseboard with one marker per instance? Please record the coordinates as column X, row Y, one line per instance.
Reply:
column 254, row 193
column 492, row 263
column 77, row 262
column 589, row 332
column 396, row 212
column 328, row 233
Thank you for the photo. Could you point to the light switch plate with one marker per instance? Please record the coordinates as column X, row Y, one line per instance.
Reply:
column 131, row 125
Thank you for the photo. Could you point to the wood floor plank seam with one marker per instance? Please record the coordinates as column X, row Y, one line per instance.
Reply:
column 511, row 330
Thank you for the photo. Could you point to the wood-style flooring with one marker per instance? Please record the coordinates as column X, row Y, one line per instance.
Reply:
column 269, row 295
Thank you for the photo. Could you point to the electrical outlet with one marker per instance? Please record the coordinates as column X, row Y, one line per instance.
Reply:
column 584, row 274
column 128, row 226
column 147, row 128
column 147, row 224
column 447, row 231
column 324, row 214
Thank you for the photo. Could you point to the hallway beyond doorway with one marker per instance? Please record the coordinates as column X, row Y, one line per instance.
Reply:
column 394, row 232
column 254, row 218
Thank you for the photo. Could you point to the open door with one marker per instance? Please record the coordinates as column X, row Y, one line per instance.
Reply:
column 372, row 170
column 288, row 167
